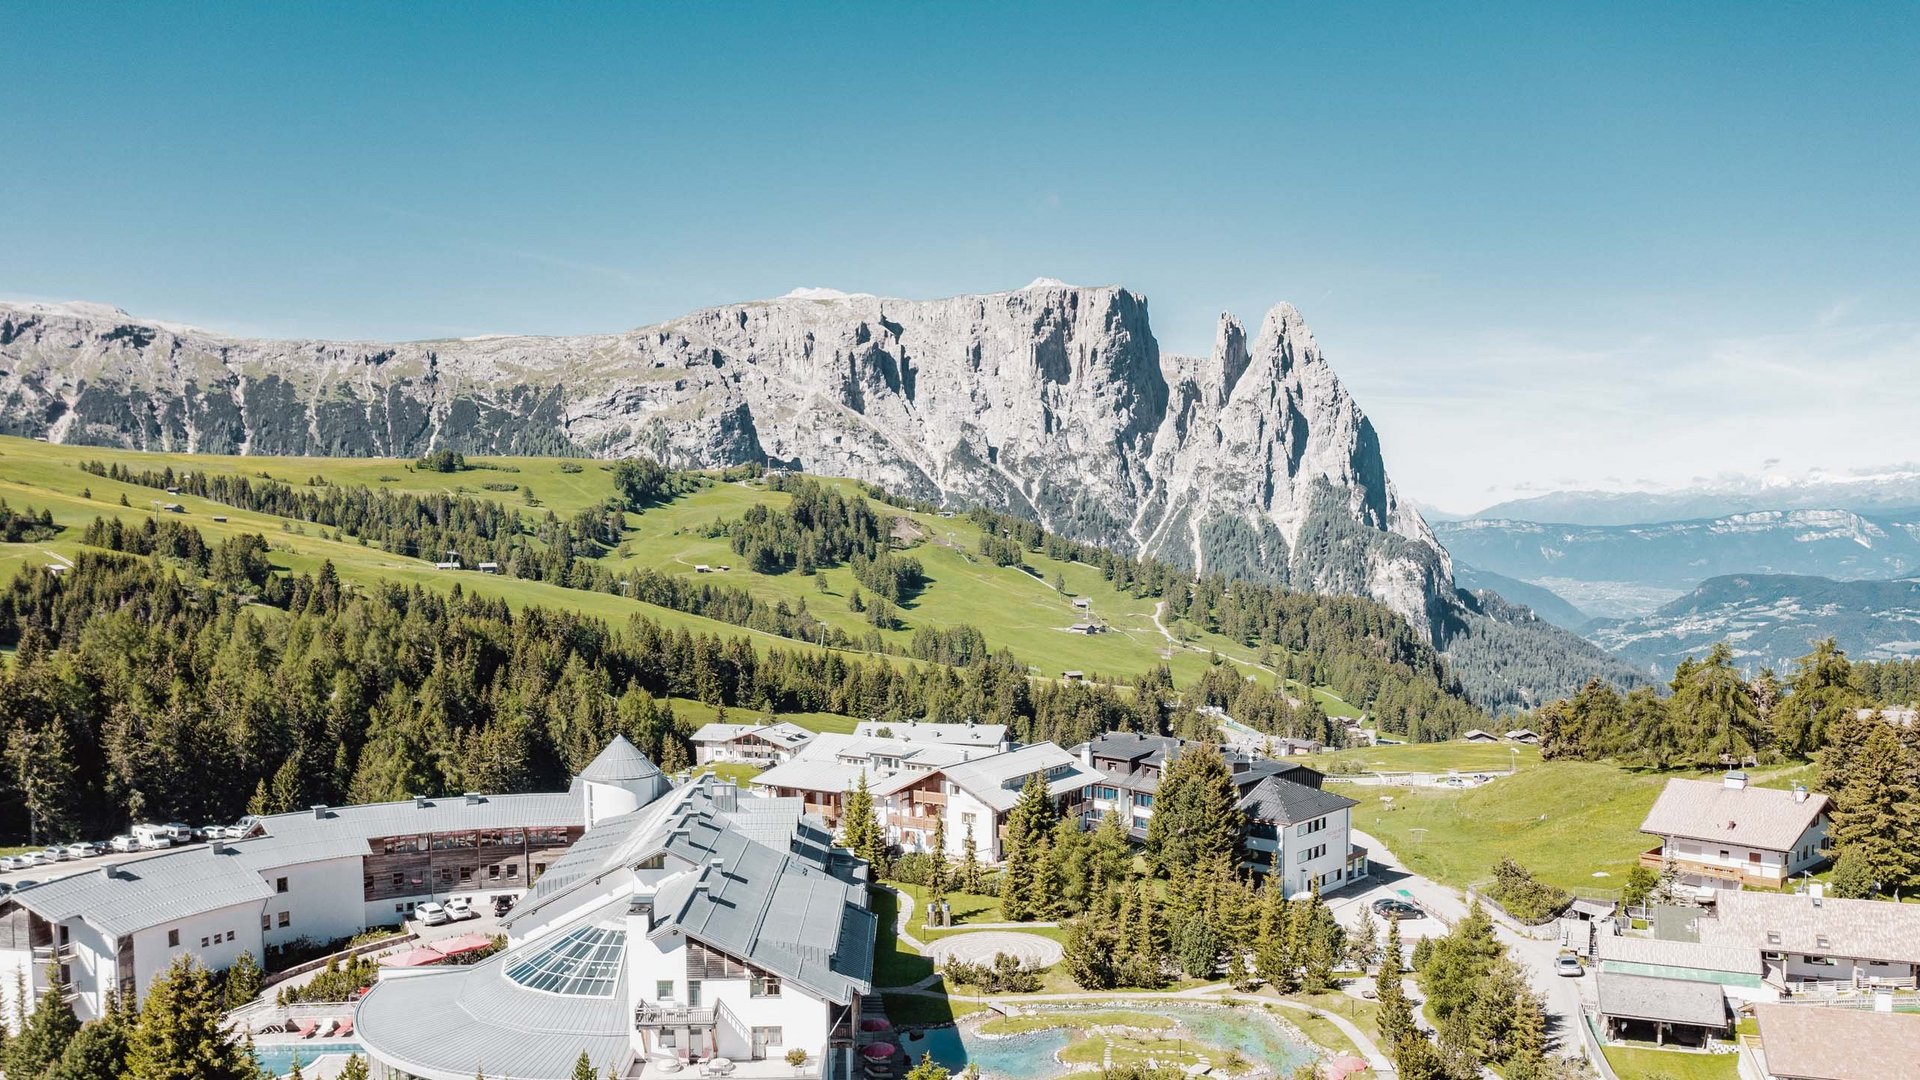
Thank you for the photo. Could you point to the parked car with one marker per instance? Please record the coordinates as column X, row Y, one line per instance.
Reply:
column 1389, row 908
column 179, row 832
column 24, row 883
column 431, row 914
column 123, row 842
column 83, row 850
column 461, row 907
column 209, row 831
column 13, row 862
column 232, row 832
column 1569, row 965
column 54, row 853
column 502, row 903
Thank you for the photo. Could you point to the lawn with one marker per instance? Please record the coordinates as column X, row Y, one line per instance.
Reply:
column 1316, row 1026
column 1632, row 1063
column 1363, row 1014
column 967, row 907
column 895, row 963
column 1456, row 756
column 1564, row 820
column 926, row 1010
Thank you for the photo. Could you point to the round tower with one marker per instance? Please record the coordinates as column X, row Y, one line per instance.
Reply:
column 619, row 781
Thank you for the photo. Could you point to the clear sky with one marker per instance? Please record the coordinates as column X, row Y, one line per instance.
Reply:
column 1546, row 245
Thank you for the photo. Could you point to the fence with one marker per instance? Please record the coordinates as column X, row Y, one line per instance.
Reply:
column 1590, row 1046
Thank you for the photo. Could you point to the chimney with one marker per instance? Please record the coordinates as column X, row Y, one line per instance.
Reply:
column 1799, row 793
column 473, row 798
column 217, row 848
column 719, row 867
column 1735, row 781
column 419, row 802
column 726, row 796
column 320, row 812
column 114, row 873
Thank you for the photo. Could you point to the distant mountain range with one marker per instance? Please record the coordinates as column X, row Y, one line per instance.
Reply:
column 1628, row 570
column 1770, row 619
column 1893, row 489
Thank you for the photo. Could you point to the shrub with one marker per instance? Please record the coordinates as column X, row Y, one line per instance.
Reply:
column 1524, row 896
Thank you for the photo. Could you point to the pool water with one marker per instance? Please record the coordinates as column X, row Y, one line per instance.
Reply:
column 277, row 1058
column 1030, row 1056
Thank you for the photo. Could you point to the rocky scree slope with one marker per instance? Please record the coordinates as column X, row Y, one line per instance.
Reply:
column 1052, row 402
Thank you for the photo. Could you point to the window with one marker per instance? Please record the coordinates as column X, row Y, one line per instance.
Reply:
column 663, row 990
column 1143, row 799
column 286, row 919
column 1109, row 793
column 766, row 1036
column 513, row 869
column 466, row 873
column 399, row 880
column 493, row 871
column 229, row 935
column 1753, row 857
column 765, row 985
column 203, row 942
column 279, row 884
column 173, row 939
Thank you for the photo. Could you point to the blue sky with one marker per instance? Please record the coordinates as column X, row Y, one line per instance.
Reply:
column 1611, row 246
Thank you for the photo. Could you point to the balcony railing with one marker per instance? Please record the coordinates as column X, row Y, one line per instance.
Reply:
column 653, row 1015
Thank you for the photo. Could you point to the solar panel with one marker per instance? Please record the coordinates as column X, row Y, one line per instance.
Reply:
column 584, row 962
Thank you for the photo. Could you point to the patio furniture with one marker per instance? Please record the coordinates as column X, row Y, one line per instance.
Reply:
column 306, row 1028
column 346, row 1028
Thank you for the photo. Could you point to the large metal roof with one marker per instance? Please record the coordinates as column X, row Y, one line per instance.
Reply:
column 456, row 1023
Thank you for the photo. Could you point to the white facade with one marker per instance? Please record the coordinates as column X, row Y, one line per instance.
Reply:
column 1311, row 852
column 1736, row 861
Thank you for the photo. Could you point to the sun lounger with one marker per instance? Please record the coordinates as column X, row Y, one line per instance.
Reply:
column 306, row 1028
column 346, row 1028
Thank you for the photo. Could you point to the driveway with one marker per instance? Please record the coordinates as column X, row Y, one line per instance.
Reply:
column 1564, row 996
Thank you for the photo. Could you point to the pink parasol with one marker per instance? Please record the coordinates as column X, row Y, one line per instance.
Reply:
column 874, row 1023
column 419, row 957
column 879, row 1051
column 465, row 943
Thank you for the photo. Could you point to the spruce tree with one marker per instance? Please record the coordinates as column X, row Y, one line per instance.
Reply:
column 860, row 830
column 46, row 1033
column 937, row 870
column 1027, row 825
column 243, row 980
column 354, row 1069
column 178, row 1035
column 1195, row 812
column 970, row 875
column 1527, row 1040
column 1396, row 1014
column 1272, row 958
column 1874, row 819
column 1363, row 945
column 583, row 1068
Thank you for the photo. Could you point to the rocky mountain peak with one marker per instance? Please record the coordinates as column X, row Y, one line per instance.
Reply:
column 1051, row 401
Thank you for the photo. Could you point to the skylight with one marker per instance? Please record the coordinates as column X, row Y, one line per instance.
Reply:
column 584, row 962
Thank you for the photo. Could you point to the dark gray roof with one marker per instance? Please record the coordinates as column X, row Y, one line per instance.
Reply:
column 455, row 1023
column 619, row 762
column 776, row 912
column 1642, row 997
column 1286, row 802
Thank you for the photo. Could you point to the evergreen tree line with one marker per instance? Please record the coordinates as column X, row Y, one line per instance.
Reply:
column 23, row 526
column 820, row 528
column 140, row 690
column 1715, row 717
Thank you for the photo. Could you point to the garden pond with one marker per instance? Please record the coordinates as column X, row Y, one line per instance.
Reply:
column 1186, row 1033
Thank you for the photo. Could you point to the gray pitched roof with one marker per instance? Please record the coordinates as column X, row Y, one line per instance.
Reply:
column 1642, row 997
column 987, row 778
column 1764, row 818
column 1288, row 803
column 1859, row 929
column 620, row 761
column 1681, row 954
column 922, row 731
column 455, row 1023
column 780, row 734
column 778, row 913
column 1838, row 1044
column 149, row 892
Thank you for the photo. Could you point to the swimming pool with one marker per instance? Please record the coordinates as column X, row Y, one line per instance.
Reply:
column 277, row 1058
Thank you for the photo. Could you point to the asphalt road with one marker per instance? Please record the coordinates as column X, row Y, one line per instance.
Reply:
column 1564, row 995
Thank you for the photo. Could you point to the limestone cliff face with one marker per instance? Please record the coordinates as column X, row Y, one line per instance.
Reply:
column 1053, row 402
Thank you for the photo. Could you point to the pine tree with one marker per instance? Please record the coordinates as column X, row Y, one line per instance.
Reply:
column 178, row 1035
column 243, row 980
column 1396, row 1014
column 583, row 1068
column 970, row 875
column 1027, row 825
column 1195, row 812
column 927, row 1069
column 46, row 1033
column 1416, row 1058
column 937, row 870
column 1874, row 820
column 355, row 1069
column 1527, row 1039
column 97, row 1051
column 1363, row 945
column 1272, row 958
column 295, row 1073
column 860, row 830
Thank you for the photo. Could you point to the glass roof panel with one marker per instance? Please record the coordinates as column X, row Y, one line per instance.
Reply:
column 583, row 962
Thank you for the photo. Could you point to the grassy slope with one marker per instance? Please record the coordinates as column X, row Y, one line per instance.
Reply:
column 1015, row 609
column 1564, row 820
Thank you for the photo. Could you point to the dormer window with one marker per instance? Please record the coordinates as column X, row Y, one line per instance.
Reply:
column 1773, row 937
